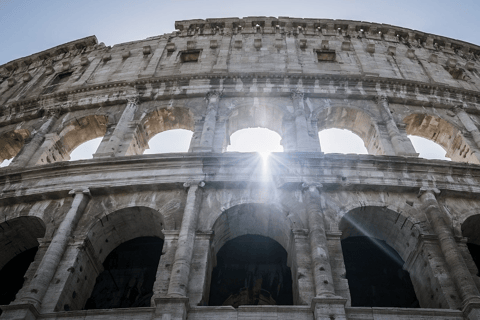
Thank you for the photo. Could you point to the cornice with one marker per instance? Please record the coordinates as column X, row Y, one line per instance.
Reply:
column 325, row 27
column 63, row 48
column 28, row 108
column 170, row 171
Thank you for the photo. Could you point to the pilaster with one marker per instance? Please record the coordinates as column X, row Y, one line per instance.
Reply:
column 127, row 138
column 201, row 269
column 306, row 140
column 464, row 283
column 183, row 255
column 400, row 142
column 301, row 267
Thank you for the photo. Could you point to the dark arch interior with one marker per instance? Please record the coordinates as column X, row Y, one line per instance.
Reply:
column 375, row 274
column 475, row 253
column 128, row 276
column 11, row 275
column 471, row 230
column 251, row 270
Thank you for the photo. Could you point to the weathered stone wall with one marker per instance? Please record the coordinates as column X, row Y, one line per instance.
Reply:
column 215, row 77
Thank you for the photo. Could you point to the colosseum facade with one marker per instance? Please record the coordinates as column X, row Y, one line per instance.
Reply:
column 210, row 234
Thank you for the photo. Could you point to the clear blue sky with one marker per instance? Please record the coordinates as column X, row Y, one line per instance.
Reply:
column 29, row 26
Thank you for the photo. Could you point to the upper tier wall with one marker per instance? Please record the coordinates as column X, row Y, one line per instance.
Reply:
column 254, row 46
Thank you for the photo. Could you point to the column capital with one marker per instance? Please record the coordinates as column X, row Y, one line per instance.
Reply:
column 82, row 190
column 214, row 95
column 381, row 98
column 429, row 190
column 191, row 183
column 311, row 186
column 52, row 112
column 133, row 99
column 297, row 94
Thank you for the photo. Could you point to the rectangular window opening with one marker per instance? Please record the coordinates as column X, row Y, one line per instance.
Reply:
column 326, row 55
column 190, row 56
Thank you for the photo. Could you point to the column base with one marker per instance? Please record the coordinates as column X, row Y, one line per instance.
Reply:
column 24, row 311
column 471, row 310
column 171, row 308
column 103, row 155
column 202, row 149
column 406, row 154
column 327, row 308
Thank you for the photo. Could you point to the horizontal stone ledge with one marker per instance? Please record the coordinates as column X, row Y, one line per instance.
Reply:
column 325, row 78
column 167, row 172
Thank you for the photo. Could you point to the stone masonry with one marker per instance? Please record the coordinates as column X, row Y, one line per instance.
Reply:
column 214, row 77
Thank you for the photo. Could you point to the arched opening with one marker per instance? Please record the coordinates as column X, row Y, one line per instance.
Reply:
column 85, row 150
column 251, row 270
column 251, row 245
column 341, row 141
column 443, row 133
column 10, row 145
column 128, row 275
column 255, row 140
column 471, row 230
column 72, row 135
column 162, row 129
column 428, row 149
column 12, row 275
column 18, row 244
column 376, row 242
column 170, row 141
column 375, row 274
column 93, row 275
column 354, row 120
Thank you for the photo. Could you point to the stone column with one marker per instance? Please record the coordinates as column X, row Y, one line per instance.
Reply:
column 302, row 268
column 470, row 126
column 164, row 270
column 201, row 266
column 304, row 142
column 322, row 271
column 469, row 293
column 26, row 155
column 401, row 143
column 46, row 270
column 119, row 142
column 183, row 255
column 209, row 124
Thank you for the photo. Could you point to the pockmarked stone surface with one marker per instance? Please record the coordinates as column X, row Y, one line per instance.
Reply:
column 209, row 234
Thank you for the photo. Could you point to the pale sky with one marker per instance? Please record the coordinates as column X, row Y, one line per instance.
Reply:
column 29, row 26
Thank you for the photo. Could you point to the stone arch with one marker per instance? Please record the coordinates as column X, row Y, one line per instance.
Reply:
column 19, row 234
column 292, row 218
column 252, row 218
column 471, row 230
column 122, row 225
column 18, row 245
column 163, row 119
column 403, row 235
column 72, row 134
column 166, row 211
column 442, row 132
column 240, row 227
column 11, row 142
column 100, row 238
column 355, row 120
column 259, row 113
column 384, row 224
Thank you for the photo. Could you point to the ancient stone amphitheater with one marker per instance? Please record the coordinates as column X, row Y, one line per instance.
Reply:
column 209, row 234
